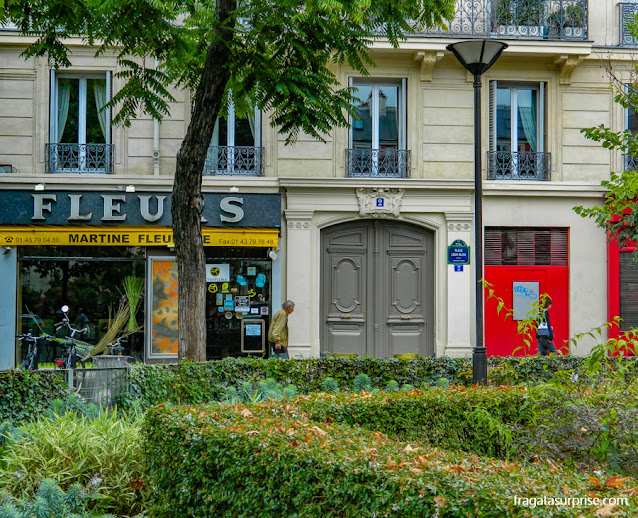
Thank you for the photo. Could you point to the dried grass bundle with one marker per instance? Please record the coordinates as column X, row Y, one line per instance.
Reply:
column 115, row 327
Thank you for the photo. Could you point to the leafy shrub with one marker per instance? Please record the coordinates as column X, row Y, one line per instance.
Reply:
column 27, row 394
column 330, row 385
column 454, row 418
column 103, row 453
column 362, row 383
column 193, row 383
column 392, row 386
column 263, row 461
column 246, row 392
column 49, row 501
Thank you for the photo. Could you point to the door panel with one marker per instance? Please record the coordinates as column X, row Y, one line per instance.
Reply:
column 377, row 289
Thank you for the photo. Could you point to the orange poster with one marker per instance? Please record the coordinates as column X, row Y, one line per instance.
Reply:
column 164, row 309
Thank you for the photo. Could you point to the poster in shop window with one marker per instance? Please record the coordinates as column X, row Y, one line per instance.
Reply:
column 164, row 332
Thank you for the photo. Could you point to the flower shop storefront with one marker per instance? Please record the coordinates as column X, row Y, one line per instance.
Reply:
column 94, row 250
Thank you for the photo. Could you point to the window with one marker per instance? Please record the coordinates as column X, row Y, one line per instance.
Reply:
column 79, row 124
column 235, row 146
column 526, row 246
column 628, row 292
column 517, row 132
column 631, row 124
column 378, row 134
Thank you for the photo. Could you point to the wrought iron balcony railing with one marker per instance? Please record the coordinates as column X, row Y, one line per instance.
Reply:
column 79, row 158
column 532, row 19
column 235, row 160
column 507, row 165
column 627, row 13
column 377, row 163
column 631, row 163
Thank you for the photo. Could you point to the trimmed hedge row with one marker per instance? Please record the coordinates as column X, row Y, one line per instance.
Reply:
column 191, row 383
column 271, row 461
column 480, row 421
column 27, row 394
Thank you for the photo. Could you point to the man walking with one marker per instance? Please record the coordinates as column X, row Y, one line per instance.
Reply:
column 278, row 333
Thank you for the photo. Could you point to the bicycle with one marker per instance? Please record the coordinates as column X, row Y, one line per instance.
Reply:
column 30, row 360
column 75, row 349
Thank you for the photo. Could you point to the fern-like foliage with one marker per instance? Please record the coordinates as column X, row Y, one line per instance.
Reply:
column 362, row 383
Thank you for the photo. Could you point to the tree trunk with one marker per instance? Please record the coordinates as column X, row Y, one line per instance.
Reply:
column 187, row 202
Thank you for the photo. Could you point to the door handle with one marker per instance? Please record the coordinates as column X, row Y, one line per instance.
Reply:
column 406, row 317
column 346, row 316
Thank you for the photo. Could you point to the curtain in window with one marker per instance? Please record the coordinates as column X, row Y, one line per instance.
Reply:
column 528, row 117
column 99, row 90
column 251, row 123
column 64, row 95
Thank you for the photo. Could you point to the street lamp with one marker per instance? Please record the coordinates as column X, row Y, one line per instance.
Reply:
column 477, row 56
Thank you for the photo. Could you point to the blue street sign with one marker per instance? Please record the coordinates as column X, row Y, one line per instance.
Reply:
column 380, row 202
column 458, row 267
column 458, row 254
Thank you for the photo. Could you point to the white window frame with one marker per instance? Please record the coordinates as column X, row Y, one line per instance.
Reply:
column 513, row 87
column 53, row 106
column 230, row 127
column 376, row 84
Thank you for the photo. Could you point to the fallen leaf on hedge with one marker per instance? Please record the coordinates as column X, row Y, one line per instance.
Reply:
column 137, row 483
column 365, row 395
column 281, row 428
column 456, row 468
column 553, row 467
column 565, row 490
column 350, row 441
column 420, row 460
column 439, row 500
column 323, row 444
column 509, row 466
column 252, row 432
column 583, row 429
column 236, row 428
column 605, row 511
column 416, row 471
column 615, row 481
column 409, row 448
column 246, row 413
column 595, row 481
column 309, row 438
column 390, row 464
column 290, row 431
column 632, row 491
column 317, row 430
column 536, row 459
column 294, row 443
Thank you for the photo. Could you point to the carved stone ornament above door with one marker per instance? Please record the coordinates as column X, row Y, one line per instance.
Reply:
column 379, row 202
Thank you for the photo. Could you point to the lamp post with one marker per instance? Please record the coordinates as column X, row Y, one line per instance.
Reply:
column 477, row 56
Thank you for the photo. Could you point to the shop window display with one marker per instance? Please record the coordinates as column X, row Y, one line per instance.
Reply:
column 90, row 280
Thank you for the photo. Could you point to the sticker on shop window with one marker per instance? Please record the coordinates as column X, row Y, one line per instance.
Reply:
column 251, row 271
column 264, row 310
column 260, row 280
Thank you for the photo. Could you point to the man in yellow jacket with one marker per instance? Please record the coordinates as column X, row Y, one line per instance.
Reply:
column 278, row 333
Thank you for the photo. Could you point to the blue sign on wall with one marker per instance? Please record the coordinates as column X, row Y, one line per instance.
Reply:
column 458, row 253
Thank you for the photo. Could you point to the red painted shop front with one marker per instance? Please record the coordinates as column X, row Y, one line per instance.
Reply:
column 532, row 260
column 622, row 291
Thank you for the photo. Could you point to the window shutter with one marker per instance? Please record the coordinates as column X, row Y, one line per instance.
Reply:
column 526, row 246
column 108, row 110
column 493, row 247
column 53, row 108
column 542, row 113
column 628, row 292
column 403, row 114
column 492, row 115
column 559, row 247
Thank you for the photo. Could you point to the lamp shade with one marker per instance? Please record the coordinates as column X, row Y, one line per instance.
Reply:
column 477, row 56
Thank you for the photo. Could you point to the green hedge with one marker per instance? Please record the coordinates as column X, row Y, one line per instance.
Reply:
column 26, row 394
column 480, row 420
column 191, row 383
column 271, row 461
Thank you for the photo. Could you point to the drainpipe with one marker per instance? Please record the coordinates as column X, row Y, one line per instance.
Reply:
column 156, row 142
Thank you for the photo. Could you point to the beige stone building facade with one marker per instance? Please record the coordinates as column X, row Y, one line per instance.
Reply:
column 366, row 219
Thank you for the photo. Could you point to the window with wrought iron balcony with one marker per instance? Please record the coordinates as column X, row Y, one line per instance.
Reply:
column 80, row 125
column 517, row 132
column 234, row 148
column 377, row 135
column 529, row 19
column 627, row 12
